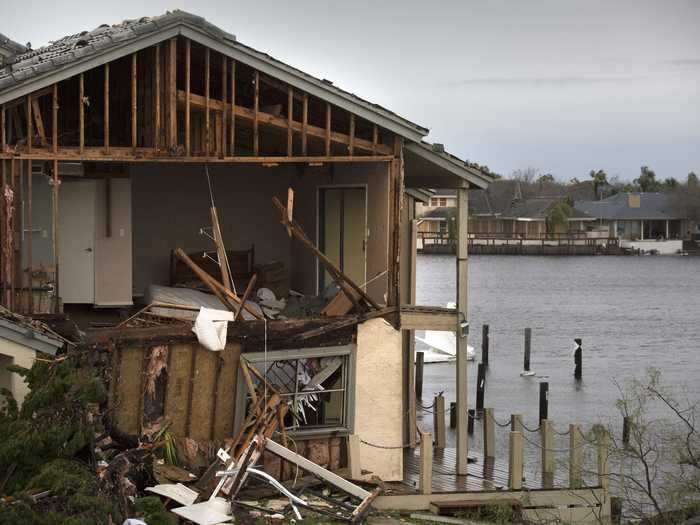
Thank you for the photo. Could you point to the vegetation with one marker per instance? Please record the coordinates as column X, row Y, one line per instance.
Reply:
column 558, row 215
column 657, row 472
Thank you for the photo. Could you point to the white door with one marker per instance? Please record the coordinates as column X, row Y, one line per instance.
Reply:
column 76, row 241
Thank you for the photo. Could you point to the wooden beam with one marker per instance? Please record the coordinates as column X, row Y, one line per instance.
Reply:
column 54, row 118
column 3, row 135
column 328, row 129
column 351, row 143
column 515, row 461
column 207, row 123
column 188, row 70
column 232, row 138
column 106, row 108
column 134, row 101
column 304, row 124
column 462, row 346
column 290, row 119
column 280, row 123
column 172, row 93
column 156, row 102
column 425, row 482
column 81, row 110
column 224, row 96
column 30, row 229
column 39, row 121
column 256, row 116
column 375, row 139
column 30, row 132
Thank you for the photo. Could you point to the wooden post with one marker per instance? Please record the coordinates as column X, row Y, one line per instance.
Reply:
column 207, row 123
column 439, row 421
column 134, row 102
column 105, row 111
column 224, row 111
column 412, row 344
column 351, row 140
column 425, row 483
column 54, row 118
column 515, row 461
column 256, row 110
column 156, row 101
column 547, row 439
column 528, row 341
column 354, row 456
column 30, row 229
column 328, row 130
column 489, row 425
column 462, row 330
column 290, row 119
column 575, row 456
column 29, row 123
column 578, row 359
column 81, row 111
column 54, row 225
column 471, row 416
column 626, row 425
column 516, row 423
column 544, row 400
column 232, row 138
column 420, row 359
column 603, row 467
column 172, row 93
column 304, row 124
column 480, row 386
column 485, row 345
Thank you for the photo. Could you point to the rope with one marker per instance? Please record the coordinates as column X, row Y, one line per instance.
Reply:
column 530, row 429
column 568, row 431
column 555, row 450
column 386, row 447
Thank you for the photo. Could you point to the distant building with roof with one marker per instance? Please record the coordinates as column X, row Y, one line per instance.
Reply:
column 637, row 216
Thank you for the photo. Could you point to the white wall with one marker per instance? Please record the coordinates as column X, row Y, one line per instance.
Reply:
column 18, row 355
column 379, row 398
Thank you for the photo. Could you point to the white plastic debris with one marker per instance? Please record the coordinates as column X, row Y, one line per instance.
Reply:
column 211, row 327
column 134, row 521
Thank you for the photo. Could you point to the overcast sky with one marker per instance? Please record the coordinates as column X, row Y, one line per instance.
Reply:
column 556, row 85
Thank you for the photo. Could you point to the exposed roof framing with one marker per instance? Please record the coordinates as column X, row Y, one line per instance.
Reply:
column 69, row 56
column 436, row 156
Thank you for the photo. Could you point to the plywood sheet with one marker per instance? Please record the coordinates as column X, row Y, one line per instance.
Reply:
column 177, row 390
column 129, row 390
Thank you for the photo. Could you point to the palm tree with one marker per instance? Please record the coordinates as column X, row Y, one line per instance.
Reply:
column 600, row 179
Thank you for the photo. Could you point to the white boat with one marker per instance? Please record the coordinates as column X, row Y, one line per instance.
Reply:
column 443, row 347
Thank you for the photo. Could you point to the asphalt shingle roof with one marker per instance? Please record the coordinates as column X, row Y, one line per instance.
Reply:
column 656, row 206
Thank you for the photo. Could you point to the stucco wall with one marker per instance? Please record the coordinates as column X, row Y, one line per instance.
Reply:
column 378, row 398
column 21, row 356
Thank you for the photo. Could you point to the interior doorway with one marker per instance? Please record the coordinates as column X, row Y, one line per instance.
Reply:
column 342, row 225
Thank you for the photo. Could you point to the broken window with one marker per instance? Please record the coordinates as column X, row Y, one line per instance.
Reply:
column 316, row 383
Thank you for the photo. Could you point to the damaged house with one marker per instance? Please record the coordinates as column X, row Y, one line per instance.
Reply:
column 160, row 166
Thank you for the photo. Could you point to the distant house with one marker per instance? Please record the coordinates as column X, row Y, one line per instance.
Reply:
column 637, row 216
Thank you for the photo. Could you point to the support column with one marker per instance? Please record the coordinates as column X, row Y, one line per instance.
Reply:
column 641, row 235
column 667, row 229
column 462, row 329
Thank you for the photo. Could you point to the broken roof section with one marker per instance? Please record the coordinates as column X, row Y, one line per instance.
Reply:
column 32, row 70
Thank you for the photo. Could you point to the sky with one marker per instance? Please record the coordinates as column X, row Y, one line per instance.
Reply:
column 560, row 86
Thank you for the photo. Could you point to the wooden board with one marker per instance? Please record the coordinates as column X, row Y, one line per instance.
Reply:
column 178, row 386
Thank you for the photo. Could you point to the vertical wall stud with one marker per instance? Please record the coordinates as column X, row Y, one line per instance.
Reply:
column 224, row 110
column 156, row 102
column 256, row 137
column 54, row 117
column 351, row 143
column 304, row 125
column 328, row 130
column 106, row 108
column 232, row 138
column 29, row 124
column 188, row 68
column 134, row 101
column 290, row 118
column 172, row 93
column 207, row 123
column 81, row 111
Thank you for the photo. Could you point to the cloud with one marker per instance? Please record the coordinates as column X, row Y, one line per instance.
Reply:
column 545, row 80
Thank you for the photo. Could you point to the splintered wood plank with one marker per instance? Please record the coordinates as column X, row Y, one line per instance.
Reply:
column 129, row 390
column 228, row 382
column 38, row 121
column 177, row 390
column 203, row 394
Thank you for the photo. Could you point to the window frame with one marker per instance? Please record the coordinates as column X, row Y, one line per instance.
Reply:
column 349, row 351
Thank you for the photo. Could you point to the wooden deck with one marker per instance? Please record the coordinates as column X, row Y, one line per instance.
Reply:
column 483, row 474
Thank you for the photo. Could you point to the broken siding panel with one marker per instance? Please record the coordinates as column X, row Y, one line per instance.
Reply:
column 129, row 390
column 203, row 394
column 223, row 418
column 178, row 387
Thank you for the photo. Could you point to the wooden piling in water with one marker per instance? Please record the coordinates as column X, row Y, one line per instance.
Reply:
column 480, row 387
column 575, row 456
column 489, row 426
column 420, row 360
column 425, row 483
column 516, row 423
column 439, row 421
column 485, row 344
column 526, row 357
column 544, row 400
column 578, row 359
column 515, row 461
column 547, row 440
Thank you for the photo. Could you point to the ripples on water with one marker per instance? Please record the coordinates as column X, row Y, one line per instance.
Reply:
column 632, row 313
